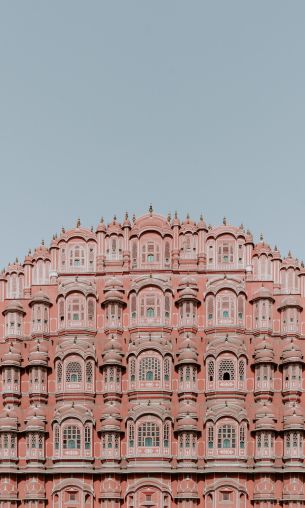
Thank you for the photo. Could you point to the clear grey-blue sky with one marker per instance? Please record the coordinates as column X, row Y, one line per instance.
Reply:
column 188, row 105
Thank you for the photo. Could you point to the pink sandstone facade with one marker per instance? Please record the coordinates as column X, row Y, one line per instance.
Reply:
column 152, row 364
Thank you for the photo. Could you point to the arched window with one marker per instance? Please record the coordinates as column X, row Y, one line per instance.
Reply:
column 226, row 437
column 76, row 309
column 87, row 437
column 150, row 369
column 240, row 308
column 188, row 249
column 226, row 371
column 167, row 253
column 89, row 372
column 225, row 252
column 134, row 253
column 210, row 252
column 210, row 436
column 167, row 306
column 150, row 306
column 131, row 435
column 91, row 258
column 73, row 372
column 61, row 307
column 133, row 307
column 59, row 372
column 226, row 307
column 114, row 247
column 91, row 311
column 166, row 434
column 242, row 438
column 241, row 370
column 132, row 369
column 210, row 310
column 150, row 253
column 71, row 438
column 211, row 370
column 56, row 437
column 149, row 434
column 167, row 364
column 77, row 257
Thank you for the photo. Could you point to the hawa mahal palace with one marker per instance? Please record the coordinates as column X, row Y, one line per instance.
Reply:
column 153, row 363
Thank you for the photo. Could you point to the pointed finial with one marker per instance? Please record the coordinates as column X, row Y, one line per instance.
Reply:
column 188, row 216
column 224, row 221
column 134, row 217
column 102, row 220
column 91, row 229
column 150, row 209
column 17, row 261
column 201, row 217
column 176, row 214
column 275, row 247
column 169, row 217
column 261, row 237
column 241, row 226
column 114, row 218
column 63, row 230
column 30, row 252
column 126, row 215
column 78, row 223
column 289, row 254
column 42, row 242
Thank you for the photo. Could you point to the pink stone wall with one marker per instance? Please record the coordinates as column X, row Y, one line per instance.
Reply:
column 153, row 363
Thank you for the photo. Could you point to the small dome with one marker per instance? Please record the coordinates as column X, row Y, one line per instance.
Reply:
column 262, row 248
column 112, row 357
column 187, row 407
column 187, row 355
column 262, row 292
column 201, row 224
column 13, row 307
column 291, row 353
column 35, row 418
column 290, row 301
column 110, row 423
column 176, row 221
column 101, row 226
column 113, row 344
column 114, row 283
column 112, row 409
column 187, row 293
column 186, row 423
column 263, row 352
column 40, row 297
column 38, row 354
column 113, row 296
column 8, row 419
column 293, row 417
column 264, row 417
column 11, row 357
